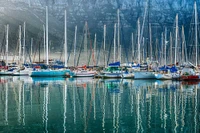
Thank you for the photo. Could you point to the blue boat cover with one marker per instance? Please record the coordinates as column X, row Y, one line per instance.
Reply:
column 166, row 68
column 138, row 65
column 114, row 64
column 173, row 69
column 58, row 66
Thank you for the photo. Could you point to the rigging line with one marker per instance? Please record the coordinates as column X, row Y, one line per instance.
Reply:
column 142, row 30
column 99, row 52
column 91, row 52
column 27, row 50
column 15, row 51
column 35, row 54
column 109, row 52
column 17, row 48
column 70, row 49
column 61, row 51
column 125, row 48
column 81, row 47
column 191, row 32
column 93, row 57
column 37, row 49
column 148, row 6
column 79, row 55
column 2, row 44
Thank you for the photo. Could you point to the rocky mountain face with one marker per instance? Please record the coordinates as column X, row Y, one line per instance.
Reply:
column 160, row 13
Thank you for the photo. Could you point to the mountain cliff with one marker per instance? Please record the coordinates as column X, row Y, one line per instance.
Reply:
column 160, row 13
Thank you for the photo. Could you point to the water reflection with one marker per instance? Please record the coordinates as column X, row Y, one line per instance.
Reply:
column 94, row 105
column 6, row 105
column 65, row 107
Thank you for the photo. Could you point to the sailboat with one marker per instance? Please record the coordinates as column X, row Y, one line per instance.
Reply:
column 143, row 72
column 112, row 71
column 189, row 72
column 83, row 72
column 51, row 72
column 6, row 70
column 166, row 72
column 127, row 67
column 22, row 70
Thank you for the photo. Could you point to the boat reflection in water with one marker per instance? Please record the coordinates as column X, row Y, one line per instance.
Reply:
column 96, row 105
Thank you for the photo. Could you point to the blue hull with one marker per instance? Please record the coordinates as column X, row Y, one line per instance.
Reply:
column 144, row 75
column 50, row 73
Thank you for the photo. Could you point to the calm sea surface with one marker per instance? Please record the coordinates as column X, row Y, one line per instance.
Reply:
column 94, row 105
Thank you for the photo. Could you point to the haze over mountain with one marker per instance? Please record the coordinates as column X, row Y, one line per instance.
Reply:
column 160, row 13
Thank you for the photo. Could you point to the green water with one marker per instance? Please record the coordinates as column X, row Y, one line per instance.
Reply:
column 95, row 106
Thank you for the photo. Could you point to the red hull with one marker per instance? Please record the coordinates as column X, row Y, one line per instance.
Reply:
column 190, row 82
column 190, row 77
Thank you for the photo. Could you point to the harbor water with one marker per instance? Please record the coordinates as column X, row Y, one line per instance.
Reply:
column 96, row 105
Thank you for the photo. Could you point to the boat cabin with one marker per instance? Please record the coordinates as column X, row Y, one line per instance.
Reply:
column 187, row 71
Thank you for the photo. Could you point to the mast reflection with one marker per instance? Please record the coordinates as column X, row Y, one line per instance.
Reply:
column 95, row 105
column 6, row 105
column 65, row 106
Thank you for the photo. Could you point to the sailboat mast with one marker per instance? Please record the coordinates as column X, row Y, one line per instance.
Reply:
column 143, row 23
column 183, row 44
column 31, row 47
column 65, row 44
column 171, row 53
column 185, row 47
column 120, row 51
column 39, row 52
column 156, row 53
column 132, row 47
column 162, row 49
column 104, row 44
column 20, row 43
column 176, row 41
column 24, row 43
column 7, row 29
column 115, row 42
column 86, row 42
column 44, row 40
column 196, row 41
column 118, row 34
column 138, row 40
column 47, row 37
column 95, row 47
column 143, row 49
column 75, row 46
column 165, row 53
column 150, row 38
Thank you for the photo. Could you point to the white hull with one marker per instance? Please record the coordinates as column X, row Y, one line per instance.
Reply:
column 163, row 76
column 6, row 72
column 84, row 73
column 110, row 75
column 24, row 72
column 175, row 76
column 144, row 75
column 127, row 75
